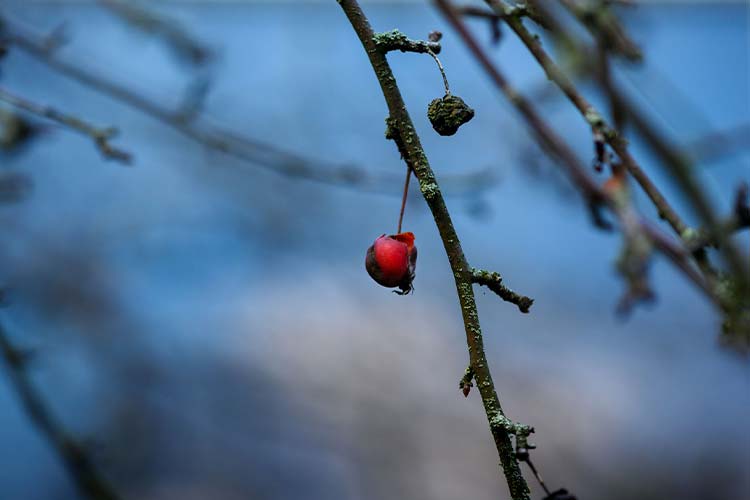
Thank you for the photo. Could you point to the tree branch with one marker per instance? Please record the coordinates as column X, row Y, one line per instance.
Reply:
column 494, row 282
column 100, row 136
column 403, row 133
column 395, row 40
column 80, row 467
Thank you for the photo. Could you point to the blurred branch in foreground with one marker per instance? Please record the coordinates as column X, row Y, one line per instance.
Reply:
column 88, row 481
column 222, row 140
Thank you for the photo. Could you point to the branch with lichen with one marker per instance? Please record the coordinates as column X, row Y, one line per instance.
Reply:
column 401, row 130
column 395, row 40
column 100, row 136
column 87, row 479
column 219, row 139
column 494, row 282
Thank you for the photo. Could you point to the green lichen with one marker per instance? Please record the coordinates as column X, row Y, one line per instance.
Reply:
column 448, row 113
column 389, row 39
column 429, row 190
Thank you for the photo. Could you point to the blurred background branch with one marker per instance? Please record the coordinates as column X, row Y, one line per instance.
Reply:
column 224, row 141
column 100, row 136
column 75, row 458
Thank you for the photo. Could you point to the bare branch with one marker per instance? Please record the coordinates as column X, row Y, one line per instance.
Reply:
column 494, row 282
column 100, row 136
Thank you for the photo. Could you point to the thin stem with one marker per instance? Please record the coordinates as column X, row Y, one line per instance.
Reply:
column 403, row 198
column 442, row 72
column 410, row 147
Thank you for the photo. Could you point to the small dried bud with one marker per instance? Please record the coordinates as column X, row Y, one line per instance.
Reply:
column 435, row 36
column 448, row 113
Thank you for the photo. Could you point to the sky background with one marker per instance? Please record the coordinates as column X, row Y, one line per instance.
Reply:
column 209, row 331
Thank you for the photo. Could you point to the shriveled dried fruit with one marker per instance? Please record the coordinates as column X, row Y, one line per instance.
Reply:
column 448, row 113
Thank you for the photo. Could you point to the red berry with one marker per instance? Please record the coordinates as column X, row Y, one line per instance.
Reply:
column 391, row 261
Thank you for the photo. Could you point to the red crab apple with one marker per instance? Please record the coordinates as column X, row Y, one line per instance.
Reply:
column 391, row 261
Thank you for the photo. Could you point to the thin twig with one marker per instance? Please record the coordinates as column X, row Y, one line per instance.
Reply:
column 494, row 282
column 403, row 199
column 442, row 72
column 88, row 481
column 409, row 145
column 100, row 136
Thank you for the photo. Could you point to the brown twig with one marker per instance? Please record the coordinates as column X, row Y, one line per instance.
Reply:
column 403, row 133
column 88, row 481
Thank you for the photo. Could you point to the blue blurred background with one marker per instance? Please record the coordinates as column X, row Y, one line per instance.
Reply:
column 207, row 327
